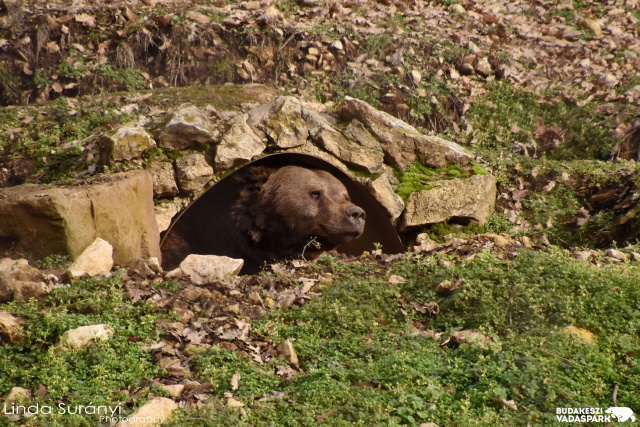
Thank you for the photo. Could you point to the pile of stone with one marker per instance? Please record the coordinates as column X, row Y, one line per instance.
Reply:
column 196, row 148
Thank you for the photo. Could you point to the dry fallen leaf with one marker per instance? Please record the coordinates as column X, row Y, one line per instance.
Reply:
column 84, row 18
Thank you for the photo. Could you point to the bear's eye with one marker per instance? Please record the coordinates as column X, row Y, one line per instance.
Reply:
column 315, row 194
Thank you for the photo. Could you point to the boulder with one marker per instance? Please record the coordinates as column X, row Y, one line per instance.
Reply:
column 468, row 198
column 238, row 145
column 402, row 143
column 41, row 220
column 186, row 127
column 164, row 179
column 193, row 173
column 381, row 189
column 83, row 336
column 312, row 150
column 205, row 269
column 364, row 157
column 95, row 259
column 124, row 143
column 165, row 210
column 281, row 121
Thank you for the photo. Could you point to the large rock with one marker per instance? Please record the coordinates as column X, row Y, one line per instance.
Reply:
column 381, row 189
column 41, row 220
column 24, row 291
column 124, row 143
column 281, row 121
column 193, row 173
column 186, row 127
column 95, row 259
column 165, row 210
column 164, row 179
column 238, row 145
column 367, row 157
column 469, row 198
column 401, row 142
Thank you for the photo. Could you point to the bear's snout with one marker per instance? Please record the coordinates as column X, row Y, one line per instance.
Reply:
column 356, row 217
column 356, row 213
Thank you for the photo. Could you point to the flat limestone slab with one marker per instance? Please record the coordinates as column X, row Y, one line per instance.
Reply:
column 470, row 198
column 41, row 220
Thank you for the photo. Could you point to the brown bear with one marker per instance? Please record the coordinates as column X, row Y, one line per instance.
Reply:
column 278, row 214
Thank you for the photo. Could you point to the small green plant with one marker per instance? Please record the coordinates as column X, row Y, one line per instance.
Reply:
column 130, row 78
column 72, row 67
column 60, row 262
column 313, row 242
column 40, row 78
column 377, row 45
column 289, row 7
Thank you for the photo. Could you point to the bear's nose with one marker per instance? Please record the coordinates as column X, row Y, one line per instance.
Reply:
column 355, row 213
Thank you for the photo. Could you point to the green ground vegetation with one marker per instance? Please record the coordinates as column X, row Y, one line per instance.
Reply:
column 367, row 355
column 366, row 358
column 100, row 374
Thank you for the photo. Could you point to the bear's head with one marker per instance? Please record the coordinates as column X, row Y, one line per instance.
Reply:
column 287, row 211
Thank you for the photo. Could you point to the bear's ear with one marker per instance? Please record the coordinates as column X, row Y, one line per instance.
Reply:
column 253, row 178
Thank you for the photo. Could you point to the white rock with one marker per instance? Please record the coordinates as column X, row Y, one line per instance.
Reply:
column 193, row 172
column 185, row 127
column 204, row 269
column 416, row 76
column 95, row 259
column 9, row 325
column 467, row 198
column 381, row 189
column 124, row 143
column 18, row 394
column 175, row 390
column 424, row 243
column 615, row 254
column 238, row 145
column 164, row 179
column 158, row 410
column 84, row 335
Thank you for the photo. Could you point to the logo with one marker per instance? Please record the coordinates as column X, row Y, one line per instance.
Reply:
column 598, row 415
column 621, row 413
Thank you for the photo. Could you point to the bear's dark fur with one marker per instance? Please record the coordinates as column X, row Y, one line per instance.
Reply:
column 278, row 214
